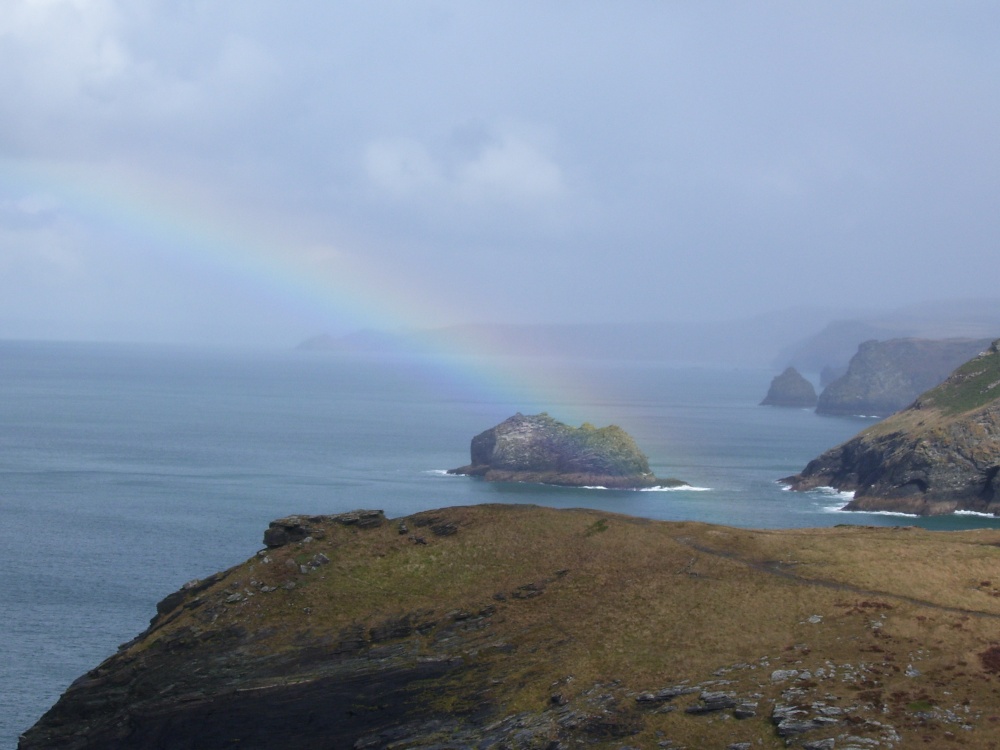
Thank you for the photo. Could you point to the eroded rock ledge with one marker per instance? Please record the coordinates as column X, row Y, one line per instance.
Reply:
column 540, row 449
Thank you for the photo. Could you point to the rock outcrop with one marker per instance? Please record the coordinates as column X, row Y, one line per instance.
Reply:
column 540, row 449
column 886, row 376
column 790, row 389
column 527, row 627
column 940, row 455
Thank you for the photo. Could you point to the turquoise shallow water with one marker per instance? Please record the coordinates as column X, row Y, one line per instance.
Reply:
column 126, row 471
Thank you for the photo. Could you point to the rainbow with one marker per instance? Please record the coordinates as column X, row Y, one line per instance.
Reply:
column 175, row 223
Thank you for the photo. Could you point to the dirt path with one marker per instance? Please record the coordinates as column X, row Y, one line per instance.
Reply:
column 782, row 570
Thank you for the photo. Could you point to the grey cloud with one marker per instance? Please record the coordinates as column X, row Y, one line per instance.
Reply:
column 659, row 159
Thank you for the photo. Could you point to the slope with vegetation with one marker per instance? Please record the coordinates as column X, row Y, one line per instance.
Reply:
column 940, row 455
column 886, row 376
column 524, row 627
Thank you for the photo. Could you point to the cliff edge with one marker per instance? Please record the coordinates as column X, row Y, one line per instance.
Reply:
column 886, row 376
column 540, row 449
column 524, row 627
column 939, row 455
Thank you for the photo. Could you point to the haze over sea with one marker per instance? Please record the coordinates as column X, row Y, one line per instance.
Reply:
column 126, row 471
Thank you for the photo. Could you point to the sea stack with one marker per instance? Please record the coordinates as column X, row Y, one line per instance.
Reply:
column 937, row 456
column 540, row 449
column 790, row 389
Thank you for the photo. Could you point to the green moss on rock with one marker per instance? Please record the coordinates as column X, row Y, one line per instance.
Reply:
column 538, row 448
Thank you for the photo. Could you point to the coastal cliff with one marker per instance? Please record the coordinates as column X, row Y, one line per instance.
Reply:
column 540, row 449
column 886, row 376
column 940, row 455
column 524, row 627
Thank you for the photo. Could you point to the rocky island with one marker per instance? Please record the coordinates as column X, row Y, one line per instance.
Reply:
column 524, row 627
column 790, row 389
column 939, row 455
column 886, row 376
column 540, row 449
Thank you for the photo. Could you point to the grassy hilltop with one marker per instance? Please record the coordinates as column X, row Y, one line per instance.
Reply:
column 525, row 627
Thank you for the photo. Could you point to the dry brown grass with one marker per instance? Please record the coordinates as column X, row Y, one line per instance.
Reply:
column 650, row 604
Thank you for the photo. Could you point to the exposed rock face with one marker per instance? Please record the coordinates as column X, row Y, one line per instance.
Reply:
column 298, row 528
column 830, row 373
column 526, row 627
column 790, row 389
column 939, row 455
column 834, row 345
column 538, row 448
column 886, row 376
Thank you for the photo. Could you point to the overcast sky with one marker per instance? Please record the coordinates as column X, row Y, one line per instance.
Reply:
column 242, row 170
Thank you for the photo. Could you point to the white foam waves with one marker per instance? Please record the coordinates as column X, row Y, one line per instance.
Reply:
column 678, row 488
column 841, row 499
column 658, row 488
column 834, row 500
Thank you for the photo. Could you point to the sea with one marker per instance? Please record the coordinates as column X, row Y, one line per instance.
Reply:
column 128, row 470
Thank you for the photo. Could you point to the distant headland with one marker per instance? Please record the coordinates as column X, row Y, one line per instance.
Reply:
column 939, row 455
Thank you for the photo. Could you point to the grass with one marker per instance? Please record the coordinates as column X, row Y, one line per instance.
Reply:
column 644, row 605
column 971, row 386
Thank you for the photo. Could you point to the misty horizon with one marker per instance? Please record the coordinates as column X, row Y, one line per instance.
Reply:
column 254, row 174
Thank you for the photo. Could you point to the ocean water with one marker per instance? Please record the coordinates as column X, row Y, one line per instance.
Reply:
column 126, row 471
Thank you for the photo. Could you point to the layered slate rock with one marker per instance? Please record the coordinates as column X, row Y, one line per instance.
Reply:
column 886, row 376
column 940, row 455
column 540, row 449
column 790, row 389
